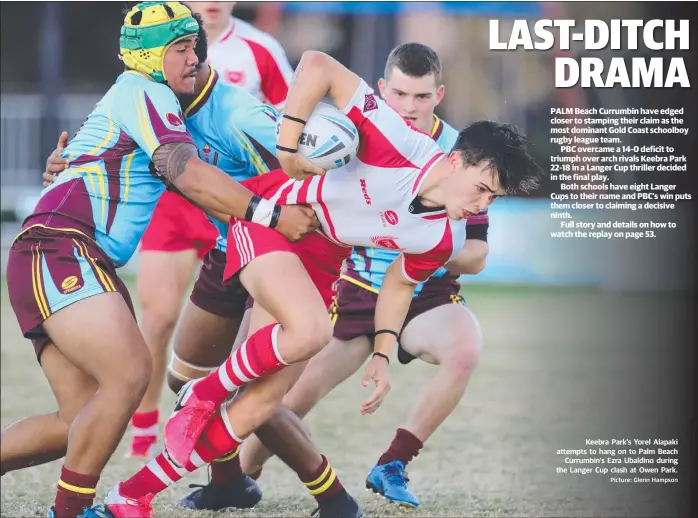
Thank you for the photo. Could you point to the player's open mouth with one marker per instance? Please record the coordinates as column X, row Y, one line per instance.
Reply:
column 466, row 214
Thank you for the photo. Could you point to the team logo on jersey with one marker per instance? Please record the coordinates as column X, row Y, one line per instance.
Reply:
column 385, row 242
column 70, row 284
column 389, row 217
column 370, row 103
column 174, row 122
column 207, row 152
column 235, row 76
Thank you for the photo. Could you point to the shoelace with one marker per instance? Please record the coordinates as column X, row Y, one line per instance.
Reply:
column 395, row 476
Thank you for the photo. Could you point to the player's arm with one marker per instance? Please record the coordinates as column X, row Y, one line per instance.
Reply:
column 472, row 259
column 221, row 196
column 317, row 76
column 393, row 303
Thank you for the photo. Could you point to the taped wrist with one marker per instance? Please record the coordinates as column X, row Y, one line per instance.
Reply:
column 263, row 212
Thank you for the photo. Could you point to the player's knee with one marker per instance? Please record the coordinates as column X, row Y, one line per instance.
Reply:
column 158, row 322
column 464, row 357
column 131, row 381
column 311, row 336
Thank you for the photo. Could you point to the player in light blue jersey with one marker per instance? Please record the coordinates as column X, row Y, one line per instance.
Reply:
column 438, row 329
column 62, row 279
column 235, row 132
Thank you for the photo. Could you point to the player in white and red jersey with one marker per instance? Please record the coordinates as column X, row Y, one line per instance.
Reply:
column 244, row 55
column 400, row 178
column 439, row 328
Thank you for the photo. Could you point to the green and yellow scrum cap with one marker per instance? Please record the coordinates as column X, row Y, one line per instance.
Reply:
column 149, row 29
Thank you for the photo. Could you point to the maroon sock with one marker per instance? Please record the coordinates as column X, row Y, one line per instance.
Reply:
column 226, row 468
column 405, row 447
column 322, row 483
column 75, row 493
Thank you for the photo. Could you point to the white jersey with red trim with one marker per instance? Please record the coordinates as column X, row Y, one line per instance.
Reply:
column 372, row 201
column 252, row 59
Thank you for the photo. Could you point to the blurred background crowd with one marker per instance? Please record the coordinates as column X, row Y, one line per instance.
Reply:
column 58, row 59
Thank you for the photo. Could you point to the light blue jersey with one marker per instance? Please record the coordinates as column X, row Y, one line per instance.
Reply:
column 110, row 189
column 367, row 266
column 233, row 131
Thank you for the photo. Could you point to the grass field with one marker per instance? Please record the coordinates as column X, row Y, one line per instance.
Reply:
column 558, row 367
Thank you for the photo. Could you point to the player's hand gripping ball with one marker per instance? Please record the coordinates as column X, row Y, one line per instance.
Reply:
column 329, row 139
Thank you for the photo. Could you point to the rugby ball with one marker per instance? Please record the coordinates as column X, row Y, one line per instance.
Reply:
column 329, row 139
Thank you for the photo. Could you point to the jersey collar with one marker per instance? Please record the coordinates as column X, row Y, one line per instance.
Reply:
column 201, row 99
column 437, row 128
column 227, row 33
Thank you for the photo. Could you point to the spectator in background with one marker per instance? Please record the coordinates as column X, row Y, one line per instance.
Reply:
column 244, row 55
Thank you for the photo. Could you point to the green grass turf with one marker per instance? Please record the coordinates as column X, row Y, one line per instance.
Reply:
column 558, row 367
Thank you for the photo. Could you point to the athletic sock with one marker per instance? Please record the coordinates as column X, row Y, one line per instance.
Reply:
column 226, row 468
column 405, row 447
column 75, row 493
column 258, row 356
column 144, row 428
column 161, row 472
column 323, row 483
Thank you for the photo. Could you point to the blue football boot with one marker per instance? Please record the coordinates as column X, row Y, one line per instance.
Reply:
column 390, row 480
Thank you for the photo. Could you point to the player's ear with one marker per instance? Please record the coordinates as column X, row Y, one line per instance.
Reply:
column 381, row 87
column 440, row 92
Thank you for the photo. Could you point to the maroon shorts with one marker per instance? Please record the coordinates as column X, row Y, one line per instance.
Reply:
column 354, row 307
column 50, row 269
column 178, row 225
column 212, row 295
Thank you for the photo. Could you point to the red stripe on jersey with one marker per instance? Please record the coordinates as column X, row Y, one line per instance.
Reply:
column 303, row 192
column 274, row 86
column 284, row 194
column 440, row 215
column 167, row 468
column 424, row 170
column 419, row 267
column 325, row 210
column 228, row 34
column 375, row 149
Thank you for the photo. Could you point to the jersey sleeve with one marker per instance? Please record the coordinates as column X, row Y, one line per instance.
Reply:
column 387, row 140
column 417, row 268
column 252, row 137
column 274, row 69
column 476, row 227
column 151, row 115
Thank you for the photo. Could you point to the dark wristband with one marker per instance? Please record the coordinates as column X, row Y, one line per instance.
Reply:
column 387, row 331
column 287, row 149
column 294, row 119
column 254, row 201
column 275, row 216
column 382, row 356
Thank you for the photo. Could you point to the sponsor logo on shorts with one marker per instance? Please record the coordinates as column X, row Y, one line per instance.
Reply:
column 370, row 103
column 70, row 284
column 385, row 242
column 389, row 217
column 174, row 121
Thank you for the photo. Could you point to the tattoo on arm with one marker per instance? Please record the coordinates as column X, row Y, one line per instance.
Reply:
column 170, row 159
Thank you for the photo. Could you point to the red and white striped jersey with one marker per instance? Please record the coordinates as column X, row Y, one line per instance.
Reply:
column 373, row 201
column 252, row 59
